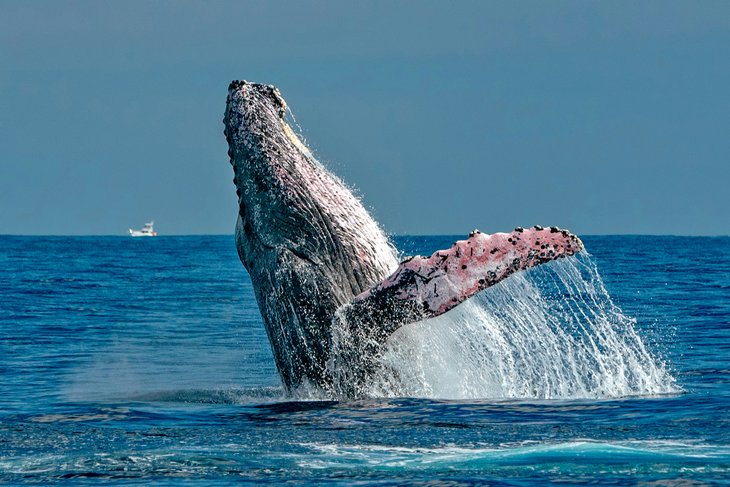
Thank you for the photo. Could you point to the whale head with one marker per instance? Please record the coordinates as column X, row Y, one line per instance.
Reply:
column 288, row 200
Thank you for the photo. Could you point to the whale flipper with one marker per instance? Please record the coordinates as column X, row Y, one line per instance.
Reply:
column 425, row 287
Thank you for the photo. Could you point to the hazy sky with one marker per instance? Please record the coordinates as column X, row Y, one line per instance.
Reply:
column 602, row 117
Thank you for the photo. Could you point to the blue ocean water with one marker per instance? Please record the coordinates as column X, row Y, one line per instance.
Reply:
column 145, row 361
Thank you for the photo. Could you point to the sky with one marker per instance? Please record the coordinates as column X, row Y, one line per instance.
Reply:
column 599, row 117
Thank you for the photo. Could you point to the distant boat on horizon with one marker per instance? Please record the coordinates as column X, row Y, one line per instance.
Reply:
column 147, row 231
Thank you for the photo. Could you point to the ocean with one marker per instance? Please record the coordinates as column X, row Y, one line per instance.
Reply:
column 145, row 361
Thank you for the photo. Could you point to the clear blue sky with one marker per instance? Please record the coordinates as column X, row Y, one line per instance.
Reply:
column 602, row 117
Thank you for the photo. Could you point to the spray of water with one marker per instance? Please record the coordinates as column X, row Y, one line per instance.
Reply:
column 550, row 332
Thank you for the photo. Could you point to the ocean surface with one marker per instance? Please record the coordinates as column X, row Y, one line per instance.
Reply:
column 145, row 361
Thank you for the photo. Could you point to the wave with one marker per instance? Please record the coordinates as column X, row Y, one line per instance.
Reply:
column 578, row 458
column 584, row 452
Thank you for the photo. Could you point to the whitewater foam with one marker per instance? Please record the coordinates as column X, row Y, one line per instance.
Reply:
column 578, row 451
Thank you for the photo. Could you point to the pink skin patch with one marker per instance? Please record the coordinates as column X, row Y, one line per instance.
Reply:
column 449, row 277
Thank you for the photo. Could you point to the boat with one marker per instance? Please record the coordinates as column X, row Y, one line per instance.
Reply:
column 147, row 231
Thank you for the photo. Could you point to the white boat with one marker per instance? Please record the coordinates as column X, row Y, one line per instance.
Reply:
column 147, row 231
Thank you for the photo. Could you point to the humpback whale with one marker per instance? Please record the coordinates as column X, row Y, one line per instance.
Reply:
column 327, row 280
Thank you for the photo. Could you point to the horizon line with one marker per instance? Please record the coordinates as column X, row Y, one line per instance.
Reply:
column 397, row 235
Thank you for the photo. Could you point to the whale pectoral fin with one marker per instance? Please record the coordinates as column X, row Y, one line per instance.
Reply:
column 425, row 287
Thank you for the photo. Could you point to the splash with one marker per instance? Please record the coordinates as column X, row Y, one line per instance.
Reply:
column 550, row 332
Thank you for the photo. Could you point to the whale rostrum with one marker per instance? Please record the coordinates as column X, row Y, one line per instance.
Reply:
column 326, row 278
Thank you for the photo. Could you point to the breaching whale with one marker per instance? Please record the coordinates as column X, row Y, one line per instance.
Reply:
column 326, row 278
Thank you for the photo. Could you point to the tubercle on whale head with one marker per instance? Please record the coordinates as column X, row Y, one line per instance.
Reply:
column 255, row 124
column 265, row 153
column 254, row 117
column 270, row 92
